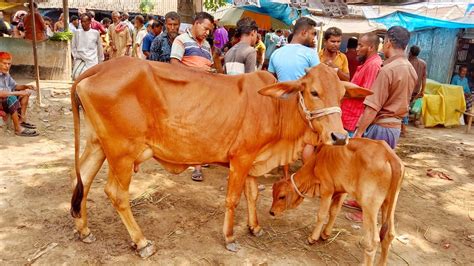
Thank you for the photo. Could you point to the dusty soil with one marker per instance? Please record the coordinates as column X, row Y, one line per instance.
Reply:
column 185, row 218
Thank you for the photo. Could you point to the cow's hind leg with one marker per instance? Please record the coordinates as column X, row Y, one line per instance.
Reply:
column 387, row 234
column 118, row 183
column 251, row 193
column 91, row 160
column 323, row 211
column 336, row 205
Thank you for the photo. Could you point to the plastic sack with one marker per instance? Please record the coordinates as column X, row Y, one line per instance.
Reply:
column 416, row 106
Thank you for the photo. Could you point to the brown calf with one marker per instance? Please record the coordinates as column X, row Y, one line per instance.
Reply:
column 368, row 170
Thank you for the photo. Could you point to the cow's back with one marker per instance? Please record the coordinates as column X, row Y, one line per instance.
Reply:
column 182, row 113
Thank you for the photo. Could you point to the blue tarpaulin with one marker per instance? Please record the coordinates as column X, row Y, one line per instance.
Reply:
column 279, row 11
column 414, row 22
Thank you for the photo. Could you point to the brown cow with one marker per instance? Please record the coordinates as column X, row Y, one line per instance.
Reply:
column 367, row 169
column 137, row 110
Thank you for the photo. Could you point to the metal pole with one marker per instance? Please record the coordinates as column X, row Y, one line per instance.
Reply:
column 35, row 54
column 66, row 15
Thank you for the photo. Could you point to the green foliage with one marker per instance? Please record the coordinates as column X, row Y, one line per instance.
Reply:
column 61, row 36
column 146, row 6
column 213, row 5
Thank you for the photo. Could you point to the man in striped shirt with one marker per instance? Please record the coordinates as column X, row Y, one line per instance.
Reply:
column 192, row 49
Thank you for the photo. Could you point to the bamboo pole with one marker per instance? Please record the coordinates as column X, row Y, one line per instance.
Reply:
column 35, row 54
column 66, row 15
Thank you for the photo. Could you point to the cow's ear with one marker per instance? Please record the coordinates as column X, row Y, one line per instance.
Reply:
column 282, row 90
column 354, row 91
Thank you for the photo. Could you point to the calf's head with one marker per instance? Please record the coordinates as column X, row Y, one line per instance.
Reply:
column 284, row 197
column 320, row 94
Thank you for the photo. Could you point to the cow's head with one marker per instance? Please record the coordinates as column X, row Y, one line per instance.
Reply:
column 284, row 197
column 320, row 94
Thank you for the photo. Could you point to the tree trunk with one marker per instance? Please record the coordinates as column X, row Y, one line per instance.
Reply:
column 188, row 8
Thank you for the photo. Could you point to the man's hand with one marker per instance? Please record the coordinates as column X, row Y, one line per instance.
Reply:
column 330, row 63
column 22, row 93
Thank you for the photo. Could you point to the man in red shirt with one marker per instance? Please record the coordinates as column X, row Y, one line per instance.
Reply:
column 364, row 76
column 96, row 25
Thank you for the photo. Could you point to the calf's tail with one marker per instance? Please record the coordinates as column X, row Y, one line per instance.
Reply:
column 79, row 189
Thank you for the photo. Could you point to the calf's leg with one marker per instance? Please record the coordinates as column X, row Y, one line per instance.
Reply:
column 90, row 162
column 336, row 205
column 116, row 189
column 323, row 211
column 251, row 193
column 371, row 238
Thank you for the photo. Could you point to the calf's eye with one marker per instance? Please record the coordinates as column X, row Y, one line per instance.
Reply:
column 281, row 197
column 314, row 93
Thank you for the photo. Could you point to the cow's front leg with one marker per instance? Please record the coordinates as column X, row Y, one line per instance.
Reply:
column 251, row 193
column 336, row 205
column 118, row 183
column 235, row 185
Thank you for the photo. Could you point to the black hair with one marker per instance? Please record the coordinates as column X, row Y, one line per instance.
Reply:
column 246, row 26
column 139, row 18
column 460, row 68
column 92, row 13
column 290, row 37
column 398, row 36
column 302, row 24
column 87, row 15
column 105, row 20
column 415, row 50
column 73, row 17
column 202, row 16
column 373, row 39
column 279, row 31
column 156, row 24
column 173, row 16
column 333, row 31
column 352, row 43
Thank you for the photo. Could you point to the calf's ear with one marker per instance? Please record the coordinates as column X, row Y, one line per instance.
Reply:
column 354, row 91
column 282, row 90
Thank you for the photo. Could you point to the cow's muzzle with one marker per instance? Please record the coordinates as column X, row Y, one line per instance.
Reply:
column 339, row 138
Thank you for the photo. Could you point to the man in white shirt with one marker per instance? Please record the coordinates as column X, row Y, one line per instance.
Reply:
column 138, row 34
column 86, row 47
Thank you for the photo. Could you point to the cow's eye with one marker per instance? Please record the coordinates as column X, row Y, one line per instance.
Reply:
column 314, row 93
column 282, row 197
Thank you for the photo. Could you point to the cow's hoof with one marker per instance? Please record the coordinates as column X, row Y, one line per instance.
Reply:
column 147, row 250
column 310, row 241
column 257, row 231
column 234, row 247
column 324, row 237
column 90, row 238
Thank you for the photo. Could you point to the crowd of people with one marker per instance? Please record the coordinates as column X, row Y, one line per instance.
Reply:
column 380, row 65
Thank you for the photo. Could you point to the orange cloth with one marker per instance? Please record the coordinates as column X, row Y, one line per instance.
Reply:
column 40, row 27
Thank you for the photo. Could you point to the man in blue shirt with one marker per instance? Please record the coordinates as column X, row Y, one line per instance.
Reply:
column 161, row 46
column 461, row 80
column 302, row 54
column 156, row 28
column 300, row 50
column 14, row 98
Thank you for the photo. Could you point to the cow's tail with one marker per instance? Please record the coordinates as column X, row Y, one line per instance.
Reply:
column 398, row 171
column 79, row 189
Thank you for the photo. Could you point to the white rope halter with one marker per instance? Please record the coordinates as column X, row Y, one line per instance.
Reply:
column 317, row 113
column 295, row 187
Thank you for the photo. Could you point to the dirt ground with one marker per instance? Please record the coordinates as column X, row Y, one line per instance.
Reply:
column 434, row 216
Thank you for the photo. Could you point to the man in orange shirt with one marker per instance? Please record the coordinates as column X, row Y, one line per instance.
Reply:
column 39, row 23
column 331, row 55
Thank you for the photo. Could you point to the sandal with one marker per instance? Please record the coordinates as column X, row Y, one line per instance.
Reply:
column 352, row 204
column 355, row 217
column 27, row 133
column 197, row 176
column 27, row 125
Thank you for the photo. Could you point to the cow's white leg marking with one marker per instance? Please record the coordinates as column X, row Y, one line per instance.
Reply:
column 371, row 237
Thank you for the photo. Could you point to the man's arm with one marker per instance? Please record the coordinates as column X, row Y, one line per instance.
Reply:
column 250, row 62
column 423, row 84
column 366, row 119
column 177, row 52
column 100, row 49
column 128, row 42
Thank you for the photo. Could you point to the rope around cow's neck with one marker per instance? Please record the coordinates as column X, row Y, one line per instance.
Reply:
column 292, row 178
column 317, row 113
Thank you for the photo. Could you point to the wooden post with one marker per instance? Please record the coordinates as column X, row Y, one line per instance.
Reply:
column 35, row 54
column 66, row 15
